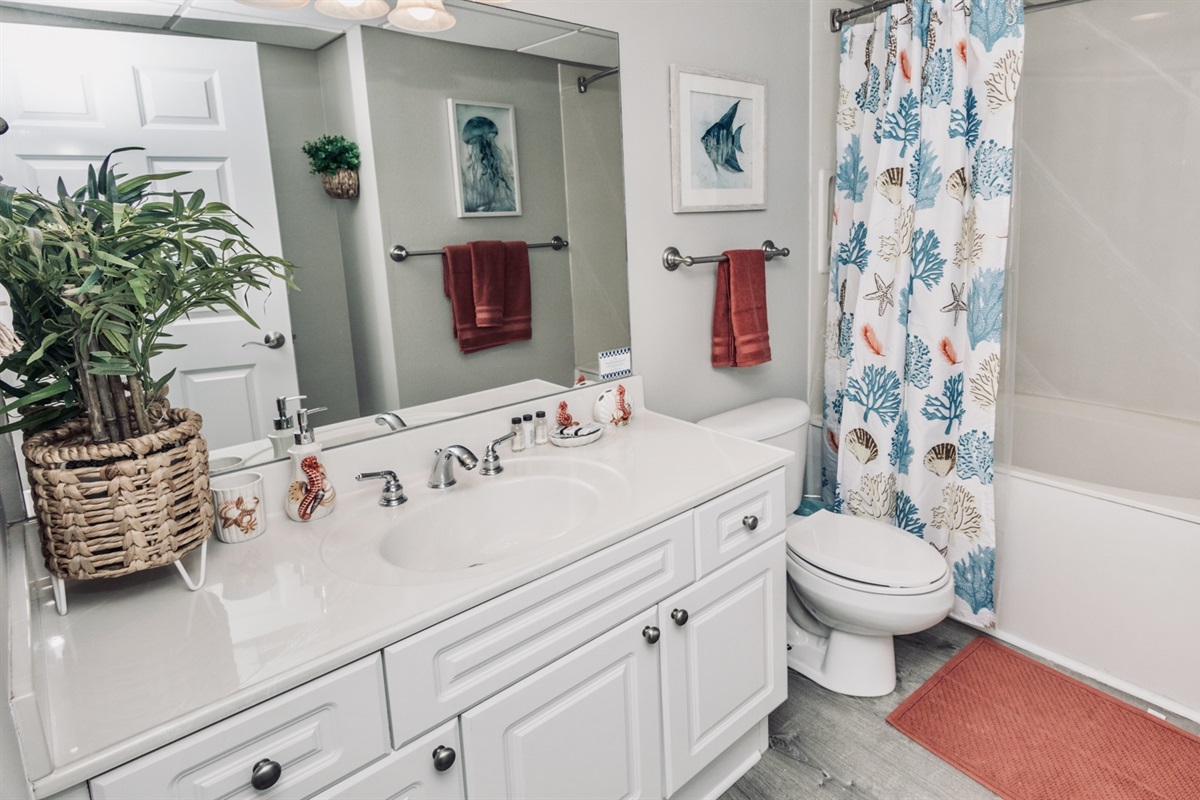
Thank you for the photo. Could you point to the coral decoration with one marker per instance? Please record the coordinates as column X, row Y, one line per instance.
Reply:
column 905, row 67
column 960, row 50
column 948, row 353
column 316, row 486
column 563, row 417
column 868, row 335
column 624, row 412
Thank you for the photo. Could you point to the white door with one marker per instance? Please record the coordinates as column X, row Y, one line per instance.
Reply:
column 71, row 96
column 725, row 667
column 586, row 726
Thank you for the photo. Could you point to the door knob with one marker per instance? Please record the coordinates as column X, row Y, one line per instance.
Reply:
column 273, row 341
column 443, row 758
column 750, row 521
column 265, row 774
column 651, row 633
column 680, row 616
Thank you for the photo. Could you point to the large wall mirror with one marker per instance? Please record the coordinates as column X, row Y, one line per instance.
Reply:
column 369, row 334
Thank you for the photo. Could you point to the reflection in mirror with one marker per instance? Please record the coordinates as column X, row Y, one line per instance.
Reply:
column 366, row 334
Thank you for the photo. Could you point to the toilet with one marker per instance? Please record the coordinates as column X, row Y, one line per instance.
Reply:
column 853, row 583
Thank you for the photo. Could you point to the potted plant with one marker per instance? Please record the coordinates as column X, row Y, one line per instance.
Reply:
column 119, row 479
column 336, row 159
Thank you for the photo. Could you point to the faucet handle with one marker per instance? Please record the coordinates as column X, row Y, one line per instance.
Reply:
column 491, row 459
column 393, row 492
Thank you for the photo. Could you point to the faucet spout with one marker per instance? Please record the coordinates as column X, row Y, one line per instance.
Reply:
column 442, row 476
column 391, row 419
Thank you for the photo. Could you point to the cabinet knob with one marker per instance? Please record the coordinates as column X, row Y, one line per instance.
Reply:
column 750, row 521
column 651, row 633
column 680, row 616
column 265, row 774
column 443, row 758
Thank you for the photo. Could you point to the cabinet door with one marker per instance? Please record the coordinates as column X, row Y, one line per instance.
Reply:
column 725, row 667
column 429, row 768
column 585, row 726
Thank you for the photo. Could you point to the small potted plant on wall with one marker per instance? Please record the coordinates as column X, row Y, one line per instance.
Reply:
column 336, row 159
column 94, row 277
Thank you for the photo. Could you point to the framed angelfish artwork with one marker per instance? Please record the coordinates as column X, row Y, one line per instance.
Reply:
column 718, row 141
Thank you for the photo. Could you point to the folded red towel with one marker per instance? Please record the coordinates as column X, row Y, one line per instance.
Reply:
column 739, row 333
column 457, row 279
column 487, row 282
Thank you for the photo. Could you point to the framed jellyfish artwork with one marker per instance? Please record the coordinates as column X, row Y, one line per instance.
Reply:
column 483, row 143
column 718, row 141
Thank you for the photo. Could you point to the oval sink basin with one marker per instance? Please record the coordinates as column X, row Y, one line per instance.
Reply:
column 479, row 521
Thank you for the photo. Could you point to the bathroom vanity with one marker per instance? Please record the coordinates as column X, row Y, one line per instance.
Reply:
column 623, row 638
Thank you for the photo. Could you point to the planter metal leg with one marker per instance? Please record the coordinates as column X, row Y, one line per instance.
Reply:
column 193, row 585
column 60, row 594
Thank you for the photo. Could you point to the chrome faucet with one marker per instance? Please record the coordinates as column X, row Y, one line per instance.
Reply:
column 391, row 419
column 393, row 492
column 491, row 459
column 442, row 476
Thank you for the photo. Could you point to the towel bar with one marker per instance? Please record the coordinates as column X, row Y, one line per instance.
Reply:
column 399, row 252
column 672, row 260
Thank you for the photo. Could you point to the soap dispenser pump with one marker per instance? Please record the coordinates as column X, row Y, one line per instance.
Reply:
column 310, row 495
column 282, row 435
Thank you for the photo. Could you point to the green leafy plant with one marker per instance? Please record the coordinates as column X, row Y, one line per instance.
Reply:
column 330, row 153
column 95, row 277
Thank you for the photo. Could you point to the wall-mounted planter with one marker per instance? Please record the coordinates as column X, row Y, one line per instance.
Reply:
column 342, row 185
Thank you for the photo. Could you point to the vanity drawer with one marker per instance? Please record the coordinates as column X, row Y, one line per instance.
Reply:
column 318, row 733
column 722, row 532
column 411, row 773
column 440, row 672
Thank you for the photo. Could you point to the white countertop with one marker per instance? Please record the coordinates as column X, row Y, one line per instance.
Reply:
column 140, row 661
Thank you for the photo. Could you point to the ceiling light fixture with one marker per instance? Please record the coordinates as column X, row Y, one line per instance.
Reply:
column 421, row 16
column 352, row 9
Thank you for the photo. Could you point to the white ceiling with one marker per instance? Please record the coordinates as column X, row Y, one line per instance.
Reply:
column 476, row 24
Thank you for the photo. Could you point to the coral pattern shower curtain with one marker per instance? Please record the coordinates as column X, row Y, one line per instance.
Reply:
column 923, row 188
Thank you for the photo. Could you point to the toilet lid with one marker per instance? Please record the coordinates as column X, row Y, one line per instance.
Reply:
column 864, row 550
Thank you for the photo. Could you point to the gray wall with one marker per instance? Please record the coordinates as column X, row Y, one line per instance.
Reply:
column 595, row 213
column 308, row 227
column 408, row 82
column 671, row 313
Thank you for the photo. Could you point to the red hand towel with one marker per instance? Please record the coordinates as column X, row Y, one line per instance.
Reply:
column 487, row 282
column 739, row 334
column 517, row 301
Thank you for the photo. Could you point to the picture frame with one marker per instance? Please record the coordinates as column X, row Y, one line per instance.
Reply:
column 718, row 141
column 483, row 147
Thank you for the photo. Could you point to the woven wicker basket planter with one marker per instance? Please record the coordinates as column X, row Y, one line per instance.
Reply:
column 108, row 510
column 342, row 184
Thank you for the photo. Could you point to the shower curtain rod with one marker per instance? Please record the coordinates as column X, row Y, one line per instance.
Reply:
column 583, row 82
column 837, row 17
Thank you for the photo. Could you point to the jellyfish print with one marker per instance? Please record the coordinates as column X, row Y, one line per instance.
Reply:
column 487, row 170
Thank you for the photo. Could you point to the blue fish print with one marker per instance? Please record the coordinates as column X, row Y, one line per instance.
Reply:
column 722, row 143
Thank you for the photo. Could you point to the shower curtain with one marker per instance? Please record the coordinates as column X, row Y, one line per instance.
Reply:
column 923, row 188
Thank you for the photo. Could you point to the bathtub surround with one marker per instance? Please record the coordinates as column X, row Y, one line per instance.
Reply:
column 923, row 189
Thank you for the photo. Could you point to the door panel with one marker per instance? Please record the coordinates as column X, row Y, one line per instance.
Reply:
column 193, row 104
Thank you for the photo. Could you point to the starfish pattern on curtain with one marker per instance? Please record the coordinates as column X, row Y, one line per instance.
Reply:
column 923, row 190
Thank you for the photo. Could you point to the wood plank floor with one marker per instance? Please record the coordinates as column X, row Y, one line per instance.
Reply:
column 826, row 745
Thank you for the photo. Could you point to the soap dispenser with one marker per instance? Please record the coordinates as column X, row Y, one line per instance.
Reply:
column 282, row 436
column 310, row 495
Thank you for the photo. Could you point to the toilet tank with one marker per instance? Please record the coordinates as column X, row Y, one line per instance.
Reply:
column 778, row 421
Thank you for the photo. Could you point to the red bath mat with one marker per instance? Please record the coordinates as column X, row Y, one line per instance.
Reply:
column 1028, row 732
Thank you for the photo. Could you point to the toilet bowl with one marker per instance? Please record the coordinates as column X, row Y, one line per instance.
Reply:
column 853, row 584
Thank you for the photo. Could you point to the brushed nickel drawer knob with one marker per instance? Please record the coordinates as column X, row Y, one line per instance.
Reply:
column 680, row 616
column 750, row 521
column 265, row 774
column 651, row 633
column 443, row 758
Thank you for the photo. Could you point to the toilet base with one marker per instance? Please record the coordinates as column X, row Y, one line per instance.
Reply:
column 847, row 663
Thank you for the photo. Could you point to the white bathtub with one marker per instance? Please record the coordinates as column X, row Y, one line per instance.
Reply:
column 1098, row 555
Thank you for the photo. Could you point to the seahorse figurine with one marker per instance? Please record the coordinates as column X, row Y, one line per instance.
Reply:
column 564, row 418
column 316, row 486
column 612, row 407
